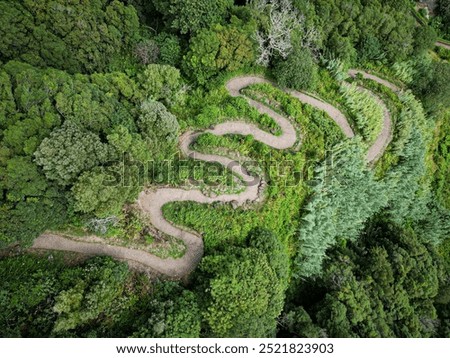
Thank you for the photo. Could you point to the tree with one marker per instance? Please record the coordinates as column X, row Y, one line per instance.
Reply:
column 444, row 12
column 222, row 48
column 382, row 285
column 344, row 195
column 298, row 323
column 75, row 37
column 95, row 192
column 425, row 39
column 169, row 49
column 242, row 295
column 156, row 122
column 298, row 71
column 268, row 243
column 370, row 48
column 161, row 83
column 432, row 84
column 192, row 16
column 147, row 51
column 42, row 297
column 94, row 293
column 174, row 313
column 275, row 39
column 68, row 152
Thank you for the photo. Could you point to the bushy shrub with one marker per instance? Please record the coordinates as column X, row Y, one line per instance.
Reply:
column 298, row 71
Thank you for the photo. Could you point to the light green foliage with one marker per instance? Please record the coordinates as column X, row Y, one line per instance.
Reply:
column 442, row 160
column 69, row 151
column 367, row 112
column 75, row 36
column 193, row 15
column 222, row 48
column 97, row 292
column 161, row 83
column 298, row 71
column 404, row 71
column 345, row 194
column 97, row 193
column 406, row 184
column 156, row 121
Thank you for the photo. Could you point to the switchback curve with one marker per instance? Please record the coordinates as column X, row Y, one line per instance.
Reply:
column 152, row 200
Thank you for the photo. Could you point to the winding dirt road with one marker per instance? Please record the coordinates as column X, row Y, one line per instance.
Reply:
column 152, row 200
column 443, row 44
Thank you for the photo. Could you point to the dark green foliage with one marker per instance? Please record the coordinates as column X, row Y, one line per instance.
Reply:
column 97, row 291
column 41, row 298
column 444, row 13
column 425, row 38
column 383, row 285
column 432, row 85
column 298, row 71
column 378, row 29
column 75, row 36
column 370, row 48
column 23, row 221
column 169, row 49
column 194, row 15
column 175, row 314
column 297, row 323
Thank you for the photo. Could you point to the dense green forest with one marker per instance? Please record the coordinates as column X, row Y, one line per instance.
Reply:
column 95, row 99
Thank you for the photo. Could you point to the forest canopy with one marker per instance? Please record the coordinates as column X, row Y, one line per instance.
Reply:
column 103, row 103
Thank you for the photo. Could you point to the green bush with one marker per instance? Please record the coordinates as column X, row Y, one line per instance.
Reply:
column 298, row 71
column 365, row 110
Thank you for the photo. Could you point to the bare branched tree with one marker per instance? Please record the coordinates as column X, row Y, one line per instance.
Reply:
column 101, row 225
column 309, row 40
column 146, row 52
column 284, row 19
